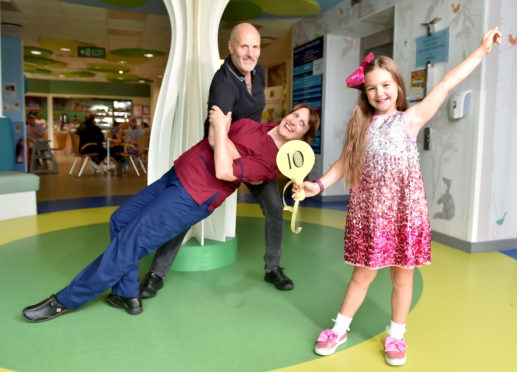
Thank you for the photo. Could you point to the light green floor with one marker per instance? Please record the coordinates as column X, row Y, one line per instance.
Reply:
column 230, row 320
column 222, row 320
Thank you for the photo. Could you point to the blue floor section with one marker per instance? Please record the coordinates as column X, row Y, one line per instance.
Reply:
column 108, row 201
column 81, row 203
column 512, row 253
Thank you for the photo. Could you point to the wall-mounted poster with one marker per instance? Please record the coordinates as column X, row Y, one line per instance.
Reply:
column 11, row 106
column 274, row 110
column 80, row 105
column 9, row 90
column 417, row 85
column 277, row 75
column 137, row 110
column 32, row 103
column 432, row 48
column 308, row 79
column 59, row 103
column 146, row 110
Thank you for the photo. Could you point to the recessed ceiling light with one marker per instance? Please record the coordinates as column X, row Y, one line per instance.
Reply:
column 122, row 62
column 120, row 71
column 160, row 76
column 36, row 52
column 141, row 81
column 65, row 49
column 148, row 55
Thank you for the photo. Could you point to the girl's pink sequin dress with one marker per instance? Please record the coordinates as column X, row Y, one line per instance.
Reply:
column 388, row 222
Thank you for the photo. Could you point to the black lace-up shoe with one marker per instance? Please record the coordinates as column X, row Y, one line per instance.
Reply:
column 44, row 310
column 277, row 277
column 151, row 284
column 133, row 305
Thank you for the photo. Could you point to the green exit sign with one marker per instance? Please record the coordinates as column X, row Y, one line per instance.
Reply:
column 91, row 52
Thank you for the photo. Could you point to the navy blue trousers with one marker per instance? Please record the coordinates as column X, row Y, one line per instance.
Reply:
column 149, row 219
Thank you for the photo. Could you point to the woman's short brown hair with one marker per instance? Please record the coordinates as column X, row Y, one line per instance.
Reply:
column 314, row 121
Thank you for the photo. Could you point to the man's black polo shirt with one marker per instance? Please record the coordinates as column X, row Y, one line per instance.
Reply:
column 228, row 91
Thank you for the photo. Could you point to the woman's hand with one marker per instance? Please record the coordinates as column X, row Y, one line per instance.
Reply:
column 310, row 189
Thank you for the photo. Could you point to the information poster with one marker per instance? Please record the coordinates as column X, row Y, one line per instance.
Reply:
column 417, row 85
column 10, row 90
column 432, row 48
column 308, row 79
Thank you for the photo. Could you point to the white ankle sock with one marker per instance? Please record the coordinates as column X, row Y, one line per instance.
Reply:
column 396, row 330
column 341, row 324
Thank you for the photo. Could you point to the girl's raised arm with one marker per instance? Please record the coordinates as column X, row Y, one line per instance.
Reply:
column 422, row 112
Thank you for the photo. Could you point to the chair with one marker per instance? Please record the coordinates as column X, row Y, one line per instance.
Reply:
column 42, row 158
column 77, row 153
column 140, row 147
column 60, row 144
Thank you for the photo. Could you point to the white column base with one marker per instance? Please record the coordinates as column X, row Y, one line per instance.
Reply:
column 18, row 204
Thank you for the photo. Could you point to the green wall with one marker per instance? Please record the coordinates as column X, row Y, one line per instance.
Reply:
column 87, row 88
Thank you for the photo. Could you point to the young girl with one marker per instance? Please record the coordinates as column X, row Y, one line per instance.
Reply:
column 387, row 222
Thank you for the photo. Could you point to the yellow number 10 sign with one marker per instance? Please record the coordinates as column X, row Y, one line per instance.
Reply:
column 295, row 160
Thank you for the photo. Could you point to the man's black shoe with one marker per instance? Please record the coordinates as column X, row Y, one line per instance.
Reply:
column 44, row 310
column 151, row 284
column 277, row 277
column 133, row 305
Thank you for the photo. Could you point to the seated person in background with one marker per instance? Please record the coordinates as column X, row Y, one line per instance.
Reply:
column 124, row 142
column 118, row 132
column 87, row 114
column 200, row 180
column 35, row 131
column 134, row 132
column 74, row 124
column 40, row 121
column 91, row 141
column 146, row 128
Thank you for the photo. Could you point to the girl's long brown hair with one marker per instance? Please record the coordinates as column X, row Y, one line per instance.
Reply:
column 354, row 148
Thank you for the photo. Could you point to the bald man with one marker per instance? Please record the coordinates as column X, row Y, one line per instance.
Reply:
column 238, row 86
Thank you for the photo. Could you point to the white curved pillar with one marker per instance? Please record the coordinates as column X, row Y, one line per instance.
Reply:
column 181, row 107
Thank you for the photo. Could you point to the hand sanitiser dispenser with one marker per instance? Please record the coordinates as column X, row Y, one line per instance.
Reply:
column 459, row 104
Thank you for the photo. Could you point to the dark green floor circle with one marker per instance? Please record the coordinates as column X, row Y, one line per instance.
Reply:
column 226, row 319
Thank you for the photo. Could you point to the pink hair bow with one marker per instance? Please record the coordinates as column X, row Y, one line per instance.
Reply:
column 356, row 80
column 394, row 344
column 327, row 334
